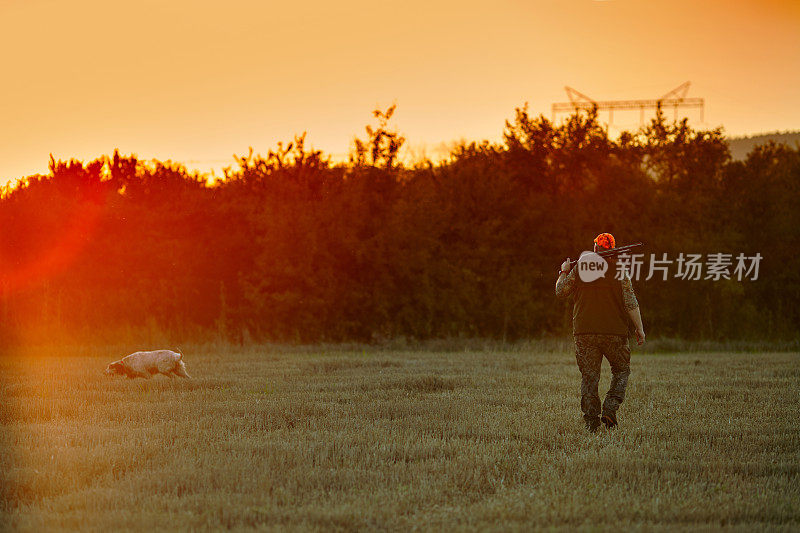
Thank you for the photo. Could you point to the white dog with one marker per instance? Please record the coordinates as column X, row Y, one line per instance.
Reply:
column 147, row 364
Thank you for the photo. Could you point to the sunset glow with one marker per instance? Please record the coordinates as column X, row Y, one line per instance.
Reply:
column 357, row 265
column 195, row 82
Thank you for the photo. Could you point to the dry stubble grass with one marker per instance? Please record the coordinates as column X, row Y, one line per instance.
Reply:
column 397, row 440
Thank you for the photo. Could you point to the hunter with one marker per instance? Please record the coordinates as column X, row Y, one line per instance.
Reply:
column 602, row 312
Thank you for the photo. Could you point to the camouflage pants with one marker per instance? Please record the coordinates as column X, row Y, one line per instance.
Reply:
column 589, row 351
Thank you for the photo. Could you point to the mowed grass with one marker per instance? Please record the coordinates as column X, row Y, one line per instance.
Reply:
column 383, row 440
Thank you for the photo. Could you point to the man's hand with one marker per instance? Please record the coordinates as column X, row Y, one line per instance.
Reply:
column 640, row 336
column 565, row 266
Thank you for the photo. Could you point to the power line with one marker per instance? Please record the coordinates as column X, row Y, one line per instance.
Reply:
column 676, row 98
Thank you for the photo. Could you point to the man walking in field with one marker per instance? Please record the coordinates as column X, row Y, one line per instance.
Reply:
column 601, row 314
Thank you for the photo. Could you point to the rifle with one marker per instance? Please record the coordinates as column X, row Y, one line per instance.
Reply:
column 608, row 253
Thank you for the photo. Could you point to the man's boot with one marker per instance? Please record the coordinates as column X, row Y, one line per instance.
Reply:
column 610, row 420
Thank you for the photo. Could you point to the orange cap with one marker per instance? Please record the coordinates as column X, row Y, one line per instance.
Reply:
column 605, row 240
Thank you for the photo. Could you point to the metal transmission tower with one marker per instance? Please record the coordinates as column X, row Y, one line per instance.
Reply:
column 675, row 98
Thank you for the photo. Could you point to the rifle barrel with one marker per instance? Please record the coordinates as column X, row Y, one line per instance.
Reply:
column 619, row 250
column 614, row 251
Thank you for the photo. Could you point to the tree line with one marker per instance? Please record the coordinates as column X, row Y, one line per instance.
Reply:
column 291, row 247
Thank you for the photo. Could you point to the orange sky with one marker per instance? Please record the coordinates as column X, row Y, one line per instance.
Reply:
column 197, row 81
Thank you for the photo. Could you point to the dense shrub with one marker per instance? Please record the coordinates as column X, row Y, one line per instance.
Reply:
column 290, row 247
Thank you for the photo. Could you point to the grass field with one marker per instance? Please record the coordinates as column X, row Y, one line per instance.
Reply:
column 264, row 437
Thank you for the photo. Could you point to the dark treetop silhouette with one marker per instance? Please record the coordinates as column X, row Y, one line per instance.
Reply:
column 291, row 247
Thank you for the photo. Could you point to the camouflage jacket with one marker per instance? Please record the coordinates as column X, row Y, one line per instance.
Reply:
column 565, row 287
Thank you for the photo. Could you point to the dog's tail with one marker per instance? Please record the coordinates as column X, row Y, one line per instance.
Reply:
column 181, row 370
column 180, row 352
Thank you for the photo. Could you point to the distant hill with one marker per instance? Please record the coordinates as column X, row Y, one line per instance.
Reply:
column 741, row 146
